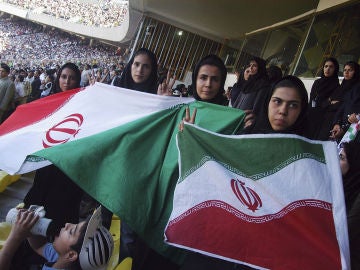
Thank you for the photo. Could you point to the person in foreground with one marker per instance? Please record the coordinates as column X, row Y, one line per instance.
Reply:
column 285, row 109
column 86, row 245
column 350, row 170
column 285, row 112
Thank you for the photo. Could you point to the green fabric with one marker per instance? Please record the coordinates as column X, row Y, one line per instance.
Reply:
column 133, row 169
column 281, row 151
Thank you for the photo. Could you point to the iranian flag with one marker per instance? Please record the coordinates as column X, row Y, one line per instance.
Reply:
column 118, row 145
column 80, row 113
column 267, row 201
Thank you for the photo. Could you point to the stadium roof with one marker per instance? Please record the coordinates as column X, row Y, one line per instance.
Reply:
column 228, row 19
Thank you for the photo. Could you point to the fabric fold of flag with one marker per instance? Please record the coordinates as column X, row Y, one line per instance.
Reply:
column 69, row 116
column 267, row 201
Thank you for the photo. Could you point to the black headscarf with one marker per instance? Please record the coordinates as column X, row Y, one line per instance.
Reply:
column 74, row 68
column 211, row 60
column 150, row 85
column 346, row 85
column 351, row 179
column 325, row 86
column 262, row 124
column 252, row 83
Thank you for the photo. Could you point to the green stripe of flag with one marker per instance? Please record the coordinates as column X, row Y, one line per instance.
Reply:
column 281, row 152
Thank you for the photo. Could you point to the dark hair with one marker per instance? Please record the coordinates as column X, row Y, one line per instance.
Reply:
column 351, row 178
column 74, row 68
column 336, row 64
column 262, row 124
column 77, row 246
column 352, row 150
column 211, row 60
column 21, row 78
column 355, row 67
column 6, row 67
column 293, row 82
column 274, row 73
column 150, row 85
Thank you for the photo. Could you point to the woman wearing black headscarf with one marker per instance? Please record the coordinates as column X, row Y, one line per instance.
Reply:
column 208, row 80
column 350, row 104
column 141, row 72
column 285, row 109
column 252, row 90
column 320, row 93
column 351, row 77
column 350, row 169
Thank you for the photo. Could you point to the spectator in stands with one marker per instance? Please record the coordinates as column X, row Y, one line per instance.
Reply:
column 141, row 72
column 19, row 91
column 320, row 93
column 251, row 92
column 115, row 77
column 49, row 83
column 351, row 101
column 45, row 47
column 350, row 169
column 35, row 87
column 85, row 75
column 7, row 91
column 30, row 76
column 68, row 78
column 208, row 80
column 274, row 73
column 106, row 14
column 348, row 113
column 334, row 102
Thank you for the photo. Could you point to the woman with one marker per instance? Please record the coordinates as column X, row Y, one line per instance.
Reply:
column 350, row 169
column 285, row 112
column 320, row 93
column 51, row 188
column 141, row 72
column 351, row 101
column 351, row 76
column 208, row 80
column 68, row 77
column 250, row 90
column 285, row 109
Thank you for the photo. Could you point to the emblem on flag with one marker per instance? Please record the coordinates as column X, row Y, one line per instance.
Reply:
column 246, row 195
column 63, row 131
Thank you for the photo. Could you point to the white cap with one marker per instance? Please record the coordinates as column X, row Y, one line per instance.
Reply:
column 98, row 244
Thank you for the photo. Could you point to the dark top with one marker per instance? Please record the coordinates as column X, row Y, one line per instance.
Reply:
column 59, row 195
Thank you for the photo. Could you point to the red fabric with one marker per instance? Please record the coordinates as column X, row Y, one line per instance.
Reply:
column 36, row 111
column 304, row 238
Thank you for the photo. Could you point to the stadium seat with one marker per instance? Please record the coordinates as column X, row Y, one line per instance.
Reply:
column 126, row 264
column 7, row 179
column 5, row 229
column 115, row 231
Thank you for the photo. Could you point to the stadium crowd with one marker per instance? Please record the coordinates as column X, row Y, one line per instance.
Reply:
column 99, row 14
column 280, row 105
column 23, row 44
